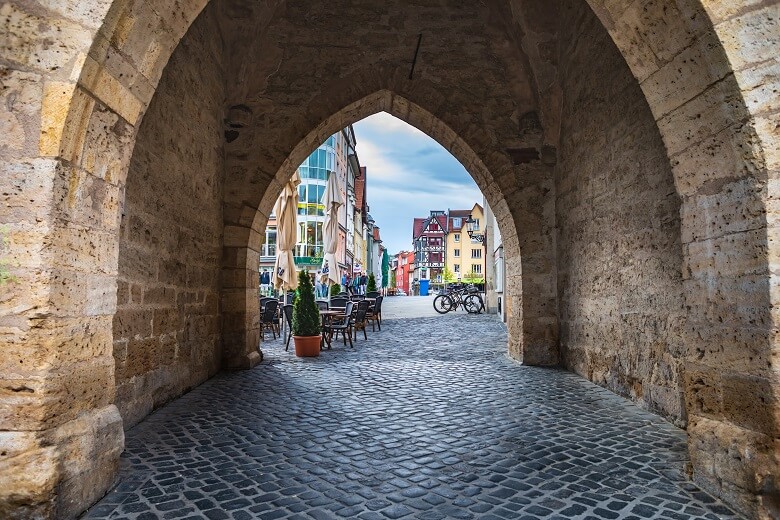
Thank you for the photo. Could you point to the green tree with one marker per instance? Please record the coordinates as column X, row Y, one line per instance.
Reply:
column 392, row 279
column 306, row 315
column 335, row 289
column 371, row 286
column 448, row 276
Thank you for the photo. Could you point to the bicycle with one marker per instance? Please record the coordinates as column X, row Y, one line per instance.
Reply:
column 453, row 298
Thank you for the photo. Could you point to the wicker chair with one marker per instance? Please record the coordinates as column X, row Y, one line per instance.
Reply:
column 323, row 305
column 375, row 313
column 263, row 301
column 359, row 320
column 343, row 326
column 338, row 302
column 373, row 294
column 269, row 318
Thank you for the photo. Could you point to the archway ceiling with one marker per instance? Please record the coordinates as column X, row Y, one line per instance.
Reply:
column 325, row 55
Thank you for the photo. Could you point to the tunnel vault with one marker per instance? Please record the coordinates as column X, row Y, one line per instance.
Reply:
column 85, row 131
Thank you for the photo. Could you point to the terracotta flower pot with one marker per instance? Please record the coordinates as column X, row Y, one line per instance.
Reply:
column 307, row 346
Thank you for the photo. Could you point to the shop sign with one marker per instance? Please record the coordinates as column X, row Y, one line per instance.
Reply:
column 308, row 261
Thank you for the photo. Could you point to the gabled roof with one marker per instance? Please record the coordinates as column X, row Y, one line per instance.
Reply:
column 421, row 224
column 418, row 227
column 462, row 214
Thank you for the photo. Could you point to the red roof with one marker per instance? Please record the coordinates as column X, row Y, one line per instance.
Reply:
column 420, row 222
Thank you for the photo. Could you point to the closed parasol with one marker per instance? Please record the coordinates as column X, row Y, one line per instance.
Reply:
column 286, row 209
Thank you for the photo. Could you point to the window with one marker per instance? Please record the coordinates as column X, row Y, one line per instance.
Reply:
column 435, row 257
column 457, row 253
column 457, row 222
column 476, row 253
column 476, row 268
column 475, row 225
column 435, row 242
column 457, row 237
column 433, row 226
column 269, row 247
column 456, row 267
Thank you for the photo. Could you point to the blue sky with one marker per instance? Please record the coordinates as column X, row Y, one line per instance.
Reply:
column 408, row 175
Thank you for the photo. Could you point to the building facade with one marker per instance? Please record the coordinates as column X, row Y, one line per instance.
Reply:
column 429, row 240
column 336, row 156
column 465, row 257
column 403, row 264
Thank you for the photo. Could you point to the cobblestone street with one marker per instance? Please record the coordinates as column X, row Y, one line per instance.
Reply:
column 428, row 419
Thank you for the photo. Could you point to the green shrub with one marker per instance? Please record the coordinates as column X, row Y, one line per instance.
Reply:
column 306, row 315
column 371, row 286
column 335, row 289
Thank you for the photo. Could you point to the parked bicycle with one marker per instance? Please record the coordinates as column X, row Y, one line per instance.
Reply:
column 467, row 297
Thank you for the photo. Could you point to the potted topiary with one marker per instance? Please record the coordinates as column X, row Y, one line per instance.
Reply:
column 306, row 319
column 335, row 289
column 371, row 286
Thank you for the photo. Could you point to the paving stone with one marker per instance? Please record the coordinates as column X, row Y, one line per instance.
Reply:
column 416, row 422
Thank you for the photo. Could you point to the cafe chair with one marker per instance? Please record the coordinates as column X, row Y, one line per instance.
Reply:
column 338, row 303
column 375, row 313
column 269, row 318
column 343, row 326
column 359, row 320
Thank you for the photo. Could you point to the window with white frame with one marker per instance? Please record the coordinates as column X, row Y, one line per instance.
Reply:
column 269, row 247
column 457, row 237
column 476, row 268
column 456, row 253
column 476, row 253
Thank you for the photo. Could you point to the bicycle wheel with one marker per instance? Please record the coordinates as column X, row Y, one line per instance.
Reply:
column 473, row 304
column 442, row 304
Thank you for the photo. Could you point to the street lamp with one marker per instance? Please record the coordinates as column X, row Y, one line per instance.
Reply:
column 481, row 238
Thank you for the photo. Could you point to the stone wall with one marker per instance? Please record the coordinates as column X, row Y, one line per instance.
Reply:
column 621, row 300
column 167, row 325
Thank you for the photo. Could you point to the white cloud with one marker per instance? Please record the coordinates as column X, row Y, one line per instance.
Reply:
column 383, row 122
column 409, row 174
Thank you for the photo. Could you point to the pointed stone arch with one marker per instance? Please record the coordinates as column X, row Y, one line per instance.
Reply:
column 714, row 94
column 529, row 343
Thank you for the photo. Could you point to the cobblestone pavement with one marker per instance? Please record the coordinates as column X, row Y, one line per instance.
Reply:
column 428, row 419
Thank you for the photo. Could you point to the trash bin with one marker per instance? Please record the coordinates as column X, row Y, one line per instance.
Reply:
column 424, row 287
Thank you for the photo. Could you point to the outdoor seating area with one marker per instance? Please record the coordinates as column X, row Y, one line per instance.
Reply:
column 339, row 316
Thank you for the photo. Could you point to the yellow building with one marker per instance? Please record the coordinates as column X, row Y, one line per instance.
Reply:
column 464, row 257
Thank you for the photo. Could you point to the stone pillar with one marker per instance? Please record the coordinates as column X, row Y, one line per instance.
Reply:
column 60, row 433
column 240, row 288
column 529, row 259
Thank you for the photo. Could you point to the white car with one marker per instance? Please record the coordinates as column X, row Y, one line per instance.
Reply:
column 400, row 292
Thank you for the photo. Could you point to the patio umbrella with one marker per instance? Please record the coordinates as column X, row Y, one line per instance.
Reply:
column 286, row 209
column 332, row 202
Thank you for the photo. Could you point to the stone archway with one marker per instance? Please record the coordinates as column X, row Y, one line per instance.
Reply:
column 527, row 345
column 73, row 111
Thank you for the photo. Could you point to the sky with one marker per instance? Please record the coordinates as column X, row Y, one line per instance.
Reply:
column 408, row 174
